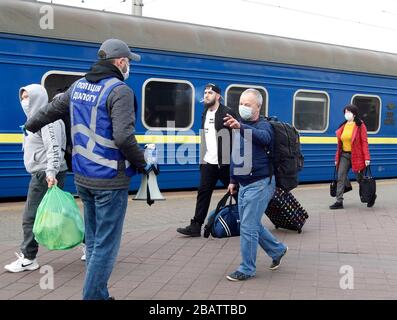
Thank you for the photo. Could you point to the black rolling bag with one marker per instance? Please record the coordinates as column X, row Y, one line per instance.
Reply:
column 284, row 211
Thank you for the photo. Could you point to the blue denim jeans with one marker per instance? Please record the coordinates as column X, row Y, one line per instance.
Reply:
column 252, row 203
column 104, row 212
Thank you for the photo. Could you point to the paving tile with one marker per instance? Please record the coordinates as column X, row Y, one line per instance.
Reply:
column 155, row 262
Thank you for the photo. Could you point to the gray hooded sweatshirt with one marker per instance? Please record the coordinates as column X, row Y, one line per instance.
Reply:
column 43, row 150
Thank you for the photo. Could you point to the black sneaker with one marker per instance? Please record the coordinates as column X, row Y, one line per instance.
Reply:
column 238, row 276
column 372, row 202
column 276, row 263
column 336, row 205
column 192, row 230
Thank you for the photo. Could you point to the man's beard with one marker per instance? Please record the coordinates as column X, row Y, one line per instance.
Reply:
column 209, row 104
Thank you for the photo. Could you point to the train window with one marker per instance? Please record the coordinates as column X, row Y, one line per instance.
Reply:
column 167, row 100
column 59, row 81
column 234, row 91
column 311, row 110
column 368, row 110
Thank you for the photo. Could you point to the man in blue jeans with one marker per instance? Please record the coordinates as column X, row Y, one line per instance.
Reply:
column 105, row 155
column 253, row 135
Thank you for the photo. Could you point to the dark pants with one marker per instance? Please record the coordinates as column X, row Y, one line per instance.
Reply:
column 209, row 176
column 345, row 164
column 38, row 187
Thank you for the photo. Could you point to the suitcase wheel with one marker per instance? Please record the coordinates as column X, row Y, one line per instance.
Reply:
column 300, row 231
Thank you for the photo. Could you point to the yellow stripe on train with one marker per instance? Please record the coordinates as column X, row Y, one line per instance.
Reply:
column 179, row 139
column 332, row 140
column 168, row 139
column 11, row 138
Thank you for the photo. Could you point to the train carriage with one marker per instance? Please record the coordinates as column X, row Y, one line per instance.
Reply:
column 304, row 83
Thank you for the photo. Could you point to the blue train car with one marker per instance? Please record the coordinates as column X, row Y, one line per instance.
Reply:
column 304, row 83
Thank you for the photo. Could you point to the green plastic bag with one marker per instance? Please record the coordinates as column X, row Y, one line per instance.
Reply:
column 58, row 224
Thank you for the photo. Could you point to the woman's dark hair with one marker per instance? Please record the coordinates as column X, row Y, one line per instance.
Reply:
column 353, row 109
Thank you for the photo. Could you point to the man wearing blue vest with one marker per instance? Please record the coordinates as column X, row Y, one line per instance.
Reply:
column 105, row 155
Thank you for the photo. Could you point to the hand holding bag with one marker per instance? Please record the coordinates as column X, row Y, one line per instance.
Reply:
column 367, row 186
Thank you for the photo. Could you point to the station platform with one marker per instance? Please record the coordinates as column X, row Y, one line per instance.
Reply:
column 341, row 254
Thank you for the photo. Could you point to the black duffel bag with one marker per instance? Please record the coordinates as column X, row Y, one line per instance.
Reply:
column 367, row 186
column 334, row 183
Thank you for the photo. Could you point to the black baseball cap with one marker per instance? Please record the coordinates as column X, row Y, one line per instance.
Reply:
column 213, row 87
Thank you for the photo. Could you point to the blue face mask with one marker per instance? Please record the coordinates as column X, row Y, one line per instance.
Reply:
column 245, row 112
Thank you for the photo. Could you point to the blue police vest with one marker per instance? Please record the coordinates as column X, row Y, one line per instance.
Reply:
column 95, row 154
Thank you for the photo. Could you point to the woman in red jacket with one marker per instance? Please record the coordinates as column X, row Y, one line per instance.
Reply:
column 352, row 152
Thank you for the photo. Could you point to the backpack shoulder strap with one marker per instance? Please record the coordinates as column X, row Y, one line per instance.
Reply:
column 270, row 150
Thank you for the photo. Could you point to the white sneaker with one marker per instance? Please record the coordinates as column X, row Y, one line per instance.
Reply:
column 83, row 249
column 22, row 264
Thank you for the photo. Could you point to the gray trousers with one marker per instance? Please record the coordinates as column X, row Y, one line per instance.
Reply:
column 38, row 187
column 345, row 164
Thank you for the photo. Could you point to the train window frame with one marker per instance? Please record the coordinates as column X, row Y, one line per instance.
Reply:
column 380, row 108
column 191, row 123
column 239, row 85
column 327, row 113
column 60, row 72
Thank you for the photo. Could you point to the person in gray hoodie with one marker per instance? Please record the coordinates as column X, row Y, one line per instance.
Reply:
column 43, row 158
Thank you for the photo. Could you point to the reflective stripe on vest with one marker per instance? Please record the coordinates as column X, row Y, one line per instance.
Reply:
column 94, row 151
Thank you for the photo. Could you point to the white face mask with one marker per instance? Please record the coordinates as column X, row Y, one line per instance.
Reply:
column 127, row 73
column 349, row 116
column 25, row 105
column 245, row 112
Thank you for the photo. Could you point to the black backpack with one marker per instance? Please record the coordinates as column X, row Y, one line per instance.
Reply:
column 286, row 157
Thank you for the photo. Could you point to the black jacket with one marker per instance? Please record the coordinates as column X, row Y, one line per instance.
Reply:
column 223, row 159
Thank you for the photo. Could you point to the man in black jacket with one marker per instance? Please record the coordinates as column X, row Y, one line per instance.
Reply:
column 215, row 151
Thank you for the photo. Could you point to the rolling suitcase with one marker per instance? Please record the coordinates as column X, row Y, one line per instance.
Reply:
column 284, row 211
